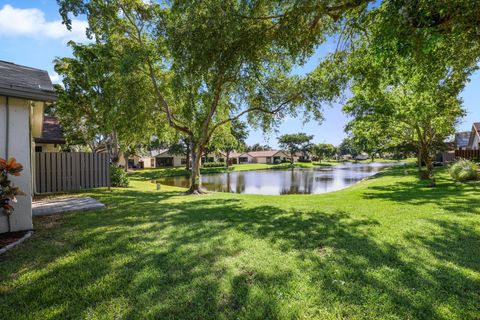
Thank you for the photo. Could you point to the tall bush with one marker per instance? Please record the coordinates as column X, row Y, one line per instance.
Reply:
column 118, row 177
column 464, row 170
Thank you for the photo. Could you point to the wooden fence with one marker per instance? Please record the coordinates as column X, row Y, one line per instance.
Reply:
column 467, row 154
column 66, row 172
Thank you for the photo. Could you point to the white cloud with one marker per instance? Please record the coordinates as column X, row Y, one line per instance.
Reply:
column 55, row 77
column 32, row 23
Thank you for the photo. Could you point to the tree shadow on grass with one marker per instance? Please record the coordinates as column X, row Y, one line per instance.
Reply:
column 447, row 195
column 149, row 256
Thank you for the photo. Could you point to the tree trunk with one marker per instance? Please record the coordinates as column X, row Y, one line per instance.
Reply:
column 419, row 160
column 291, row 158
column 195, row 178
column 187, row 165
column 9, row 221
column 428, row 160
column 126, row 155
column 227, row 153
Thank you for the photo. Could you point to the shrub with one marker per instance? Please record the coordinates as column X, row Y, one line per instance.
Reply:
column 464, row 170
column 213, row 164
column 118, row 177
column 8, row 192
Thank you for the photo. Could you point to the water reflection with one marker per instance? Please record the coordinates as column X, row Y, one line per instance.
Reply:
column 293, row 181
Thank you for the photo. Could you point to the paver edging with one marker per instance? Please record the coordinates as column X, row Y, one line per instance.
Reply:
column 16, row 243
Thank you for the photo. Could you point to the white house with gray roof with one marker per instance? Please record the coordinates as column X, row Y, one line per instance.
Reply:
column 23, row 94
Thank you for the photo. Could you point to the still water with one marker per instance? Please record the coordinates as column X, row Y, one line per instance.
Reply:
column 291, row 181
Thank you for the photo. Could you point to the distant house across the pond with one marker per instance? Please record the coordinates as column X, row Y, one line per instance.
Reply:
column 269, row 156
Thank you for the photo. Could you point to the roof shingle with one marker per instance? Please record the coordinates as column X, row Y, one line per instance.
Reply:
column 25, row 82
column 51, row 132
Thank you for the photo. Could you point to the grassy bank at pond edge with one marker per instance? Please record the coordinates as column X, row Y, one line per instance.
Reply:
column 156, row 173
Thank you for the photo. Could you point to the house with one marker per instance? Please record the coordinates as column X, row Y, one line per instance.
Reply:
column 233, row 157
column 165, row 159
column 461, row 140
column 51, row 137
column 23, row 94
column 474, row 138
column 362, row 156
column 270, row 156
column 245, row 157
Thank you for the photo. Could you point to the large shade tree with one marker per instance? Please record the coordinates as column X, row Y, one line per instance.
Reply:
column 410, row 89
column 323, row 151
column 211, row 62
column 102, row 103
column 296, row 142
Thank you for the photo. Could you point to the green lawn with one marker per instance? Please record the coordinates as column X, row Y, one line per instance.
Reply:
column 386, row 248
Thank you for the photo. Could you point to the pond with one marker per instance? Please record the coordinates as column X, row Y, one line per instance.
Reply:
column 313, row 180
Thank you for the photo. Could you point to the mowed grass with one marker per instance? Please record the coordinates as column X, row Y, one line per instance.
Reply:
column 386, row 248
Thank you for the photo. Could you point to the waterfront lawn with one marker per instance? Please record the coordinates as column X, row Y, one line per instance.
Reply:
column 386, row 248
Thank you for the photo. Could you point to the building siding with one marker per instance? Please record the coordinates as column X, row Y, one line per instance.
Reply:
column 20, row 147
column 476, row 141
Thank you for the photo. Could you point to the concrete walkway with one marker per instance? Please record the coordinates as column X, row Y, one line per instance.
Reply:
column 47, row 207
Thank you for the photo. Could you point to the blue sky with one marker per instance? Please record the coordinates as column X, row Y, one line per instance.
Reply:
column 31, row 34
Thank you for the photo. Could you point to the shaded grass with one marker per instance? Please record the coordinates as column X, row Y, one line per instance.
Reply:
column 386, row 248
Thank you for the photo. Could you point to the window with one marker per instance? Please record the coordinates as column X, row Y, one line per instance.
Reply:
column 183, row 161
column 243, row 159
column 38, row 149
column 152, row 163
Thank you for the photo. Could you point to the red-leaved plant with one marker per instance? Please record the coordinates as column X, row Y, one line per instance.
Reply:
column 8, row 191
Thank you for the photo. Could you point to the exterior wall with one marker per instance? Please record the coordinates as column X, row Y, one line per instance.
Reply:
column 48, row 147
column 20, row 147
column 177, row 159
column 282, row 155
column 37, row 119
column 476, row 141
column 250, row 159
column 123, row 162
column 262, row 159
column 147, row 162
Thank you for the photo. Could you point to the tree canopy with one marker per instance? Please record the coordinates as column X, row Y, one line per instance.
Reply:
column 407, row 62
column 102, row 103
column 211, row 62
column 296, row 142
column 323, row 150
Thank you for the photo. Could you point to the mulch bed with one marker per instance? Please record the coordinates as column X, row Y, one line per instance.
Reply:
column 10, row 237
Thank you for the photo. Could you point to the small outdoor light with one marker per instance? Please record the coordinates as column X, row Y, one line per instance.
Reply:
column 158, row 185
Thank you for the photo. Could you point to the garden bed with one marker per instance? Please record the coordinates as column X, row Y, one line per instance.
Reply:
column 9, row 240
